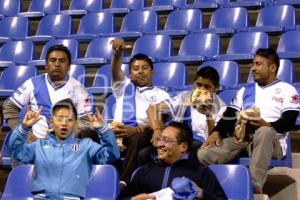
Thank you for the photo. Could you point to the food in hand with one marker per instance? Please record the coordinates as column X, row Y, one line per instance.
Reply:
column 200, row 96
column 113, row 125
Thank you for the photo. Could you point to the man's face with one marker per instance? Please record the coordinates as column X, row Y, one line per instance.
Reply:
column 264, row 72
column 169, row 149
column 141, row 73
column 57, row 66
column 205, row 84
column 63, row 122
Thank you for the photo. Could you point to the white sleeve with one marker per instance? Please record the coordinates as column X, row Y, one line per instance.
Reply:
column 84, row 101
column 120, row 88
column 291, row 99
column 175, row 103
column 22, row 95
column 237, row 101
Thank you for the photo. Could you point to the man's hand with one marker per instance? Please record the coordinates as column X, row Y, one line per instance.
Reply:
column 31, row 118
column 155, row 135
column 143, row 196
column 258, row 122
column 212, row 139
column 123, row 131
column 95, row 120
column 118, row 46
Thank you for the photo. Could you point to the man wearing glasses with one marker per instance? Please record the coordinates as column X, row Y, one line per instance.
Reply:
column 173, row 161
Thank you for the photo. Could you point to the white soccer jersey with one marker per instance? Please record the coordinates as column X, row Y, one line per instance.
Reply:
column 179, row 104
column 39, row 91
column 138, row 101
column 272, row 100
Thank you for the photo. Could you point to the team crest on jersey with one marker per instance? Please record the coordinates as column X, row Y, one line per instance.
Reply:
column 277, row 91
column 294, row 99
column 153, row 99
column 71, row 94
column 75, row 147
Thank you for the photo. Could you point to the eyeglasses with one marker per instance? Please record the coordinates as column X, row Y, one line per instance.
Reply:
column 165, row 140
column 61, row 118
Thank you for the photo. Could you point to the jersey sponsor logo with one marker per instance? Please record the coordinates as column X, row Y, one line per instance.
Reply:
column 153, row 99
column 277, row 99
column 295, row 99
column 75, row 147
column 277, row 91
column 71, row 94
column 21, row 89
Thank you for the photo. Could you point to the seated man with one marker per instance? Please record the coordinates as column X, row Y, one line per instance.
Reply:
column 133, row 97
column 278, row 104
column 62, row 163
column 174, row 160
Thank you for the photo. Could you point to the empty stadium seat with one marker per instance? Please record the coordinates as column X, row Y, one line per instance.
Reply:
column 78, row 72
column 228, row 21
column 109, row 108
column 157, row 47
column 99, row 51
column 5, row 151
column 13, row 77
column 235, row 181
column 94, row 25
column 288, row 2
column 243, row 45
column 167, row 5
column 16, row 28
column 229, row 73
column 10, row 8
column 38, row 8
column 138, row 22
column 125, row 6
column 228, row 94
column 275, row 19
column 71, row 44
column 182, row 22
column 82, row 7
column 16, row 52
column 197, row 47
column 208, row 4
column 289, row 45
column 285, row 72
column 53, row 26
column 251, row 3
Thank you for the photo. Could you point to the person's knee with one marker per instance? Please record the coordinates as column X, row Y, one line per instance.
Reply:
column 266, row 133
column 203, row 156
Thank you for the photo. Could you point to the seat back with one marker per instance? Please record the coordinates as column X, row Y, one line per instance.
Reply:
column 155, row 46
column 109, row 108
column 130, row 4
column 285, row 72
column 228, row 94
column 145, row 21
column 235, row 181
column 5, row 151
column 93, row 50
column 88, row 5
column 49, row 6
column 187, row 19
column 229, row 72
column 247, row 42
column 220, row 2
column 78, row 72
column 10, row 8
column 96, row 23
column 18, row 184
column 55, row 25
column 175, row 3
column 14, row 76
column 103, row 183
column 236, row 18
column 19, row 52
column 202, row 44
column 280, row 15
column 16, row 28
column 288, row 45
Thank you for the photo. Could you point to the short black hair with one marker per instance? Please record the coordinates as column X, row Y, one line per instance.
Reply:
column 210, row 73
column 59, row 47
column 185, row 133
column 65, row 103
column 270, row 54
column 140, row 56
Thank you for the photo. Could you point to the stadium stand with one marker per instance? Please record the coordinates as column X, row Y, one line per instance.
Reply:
column 82, row 7
column 167, row 5
column 208, row 4
column 251, row 3
column 16, row 28
column 38, row 8
column 10, row 8
column 125, row 6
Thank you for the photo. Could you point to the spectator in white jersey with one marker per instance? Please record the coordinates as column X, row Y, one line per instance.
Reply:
column 278, row 103
column 133, row 97
column 47, row 89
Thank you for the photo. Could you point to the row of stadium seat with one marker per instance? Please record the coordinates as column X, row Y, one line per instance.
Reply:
column 179, row 23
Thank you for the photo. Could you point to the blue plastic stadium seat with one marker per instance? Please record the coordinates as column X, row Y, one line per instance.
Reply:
column 167, row 5
column 297, row 86
column 13, row 76
column 10, row 8
column 38, row 8
column 228, row 94
column 197, row 47
column 235, row 181
column 94, row 25
column 208, row 4
column 78, row 72
column 16, row 28
column 53, row 26
column 289, row 45
column 275, row 19
column 229, row 73
column 288, row 2
column 243, row 45
column 228, row 21
column 109, row 108
column 137, row 23
column 82, row 7
column 99, row 51
column 157, row 47
column 285, row 72
column 125, row 6
column 71, row 44
column 5, row 151
column 251, row 3
column 182, row 22
column 16, row 52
